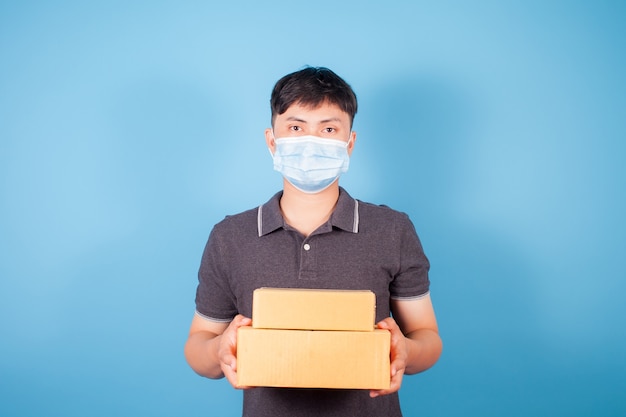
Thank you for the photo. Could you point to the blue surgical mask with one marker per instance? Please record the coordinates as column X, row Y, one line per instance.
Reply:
column 310, row 163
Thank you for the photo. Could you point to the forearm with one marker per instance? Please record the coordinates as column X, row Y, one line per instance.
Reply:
column 423, row 350
column 201, row 352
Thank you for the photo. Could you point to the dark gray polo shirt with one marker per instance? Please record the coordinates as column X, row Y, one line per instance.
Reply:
column 362, row 247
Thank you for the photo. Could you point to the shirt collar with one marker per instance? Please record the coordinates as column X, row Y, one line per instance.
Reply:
column 345, row 216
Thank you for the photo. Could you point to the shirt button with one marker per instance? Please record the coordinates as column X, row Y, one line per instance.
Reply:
column 307, row 246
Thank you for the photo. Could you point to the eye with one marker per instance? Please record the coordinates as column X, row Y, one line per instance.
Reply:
column 295, row 128
column 329, row 130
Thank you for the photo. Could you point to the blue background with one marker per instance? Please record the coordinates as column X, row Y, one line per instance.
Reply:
column 127, row 129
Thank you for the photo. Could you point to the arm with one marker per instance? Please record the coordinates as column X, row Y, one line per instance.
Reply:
column 211, row 347
column 415, row 341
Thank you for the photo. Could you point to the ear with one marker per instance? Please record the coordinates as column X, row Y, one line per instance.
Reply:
column 351, row 141
column 270, row 140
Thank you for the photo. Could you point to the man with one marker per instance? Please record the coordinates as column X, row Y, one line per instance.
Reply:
column 314, row 235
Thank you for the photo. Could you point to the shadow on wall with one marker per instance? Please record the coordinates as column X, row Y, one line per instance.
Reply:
column 423, row 133
column 419, row 132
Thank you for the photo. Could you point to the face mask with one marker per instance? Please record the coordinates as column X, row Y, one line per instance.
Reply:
column 310, row 163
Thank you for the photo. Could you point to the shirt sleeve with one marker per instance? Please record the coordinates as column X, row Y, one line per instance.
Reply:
column 214, row 297
column 411, row 280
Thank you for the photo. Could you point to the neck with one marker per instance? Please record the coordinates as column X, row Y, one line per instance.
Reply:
column 306, row 212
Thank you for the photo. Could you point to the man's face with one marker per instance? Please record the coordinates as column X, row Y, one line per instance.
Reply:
column 325, row 121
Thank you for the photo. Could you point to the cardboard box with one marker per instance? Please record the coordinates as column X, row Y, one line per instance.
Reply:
column 306, row 309
column 313, row 359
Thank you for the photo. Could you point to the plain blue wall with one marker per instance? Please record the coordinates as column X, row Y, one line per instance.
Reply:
column 128, row 130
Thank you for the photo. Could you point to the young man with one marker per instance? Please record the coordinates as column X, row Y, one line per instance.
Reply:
column 314, row 235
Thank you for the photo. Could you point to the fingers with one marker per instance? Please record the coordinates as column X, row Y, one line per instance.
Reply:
column 228, row 349
column 394, row 385
column 397, row 356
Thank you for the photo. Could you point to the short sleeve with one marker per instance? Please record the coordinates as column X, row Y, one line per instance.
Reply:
column 411, row 280
column 214, row 297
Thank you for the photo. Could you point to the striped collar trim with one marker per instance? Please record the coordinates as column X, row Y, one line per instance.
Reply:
column 345, row 217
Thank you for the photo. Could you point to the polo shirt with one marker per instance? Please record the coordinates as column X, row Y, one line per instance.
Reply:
column 361, row 247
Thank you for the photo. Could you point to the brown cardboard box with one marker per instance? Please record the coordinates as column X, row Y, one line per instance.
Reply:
column 307, row 309
column 313, row 359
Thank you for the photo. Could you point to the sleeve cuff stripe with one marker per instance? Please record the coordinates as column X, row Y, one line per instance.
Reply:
column 415, row 297
column 208, row 318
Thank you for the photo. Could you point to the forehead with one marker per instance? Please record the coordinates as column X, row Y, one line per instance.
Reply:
column 314, row 114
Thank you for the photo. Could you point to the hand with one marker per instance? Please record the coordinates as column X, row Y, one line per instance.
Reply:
column 227, row 351
column 398, row 356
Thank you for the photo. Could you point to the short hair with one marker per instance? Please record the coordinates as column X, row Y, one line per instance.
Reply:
column 312, row 86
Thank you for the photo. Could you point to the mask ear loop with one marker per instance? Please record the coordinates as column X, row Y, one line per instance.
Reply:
column 349, row 140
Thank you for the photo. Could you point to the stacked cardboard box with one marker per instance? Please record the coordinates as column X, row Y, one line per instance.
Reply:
column 313, row 339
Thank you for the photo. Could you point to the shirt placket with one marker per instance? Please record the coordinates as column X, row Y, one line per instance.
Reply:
column 308, row 260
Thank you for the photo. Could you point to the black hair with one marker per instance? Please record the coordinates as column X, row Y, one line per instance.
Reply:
column 312, row 86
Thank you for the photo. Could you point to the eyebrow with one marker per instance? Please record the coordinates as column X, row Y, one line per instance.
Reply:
column 296, row 119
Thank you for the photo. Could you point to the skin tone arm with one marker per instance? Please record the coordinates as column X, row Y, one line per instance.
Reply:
column 211, row 347
column 415, row 341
